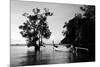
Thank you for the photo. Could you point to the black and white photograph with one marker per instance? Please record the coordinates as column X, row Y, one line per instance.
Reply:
column 44, row 33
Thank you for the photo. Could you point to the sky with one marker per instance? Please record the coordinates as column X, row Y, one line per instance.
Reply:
column 61, row 14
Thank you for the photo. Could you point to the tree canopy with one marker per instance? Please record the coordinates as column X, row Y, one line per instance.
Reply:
column 80, row 30
column 36, row 27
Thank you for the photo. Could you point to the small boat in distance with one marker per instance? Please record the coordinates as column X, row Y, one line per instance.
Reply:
column 62, row 48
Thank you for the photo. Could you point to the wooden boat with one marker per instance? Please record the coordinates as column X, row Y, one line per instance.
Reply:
column 62, row 49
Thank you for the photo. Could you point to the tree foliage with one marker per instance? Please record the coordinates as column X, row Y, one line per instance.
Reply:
column 36, row 27
column 80, row 30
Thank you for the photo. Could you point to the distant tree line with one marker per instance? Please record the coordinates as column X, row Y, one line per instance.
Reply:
column 80, row 30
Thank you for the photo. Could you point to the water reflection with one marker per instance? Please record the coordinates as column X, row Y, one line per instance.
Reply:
column 45, row 57
column 21, row 56
column 31, row 58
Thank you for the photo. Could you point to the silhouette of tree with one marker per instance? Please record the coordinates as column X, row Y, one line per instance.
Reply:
column 88, row 29
column 72, row 29
column 35, row 28
column 80, row 30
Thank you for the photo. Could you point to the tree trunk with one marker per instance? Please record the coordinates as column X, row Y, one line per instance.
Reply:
column 38, row 45
column 41, row 39
column 37, row 48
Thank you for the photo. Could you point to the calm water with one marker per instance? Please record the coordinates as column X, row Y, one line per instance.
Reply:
column 24, row 56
